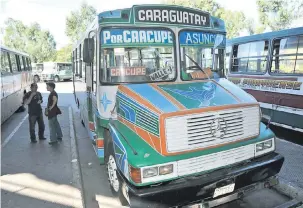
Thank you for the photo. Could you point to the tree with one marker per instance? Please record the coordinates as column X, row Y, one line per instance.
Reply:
column 64, row 54
column 77, row 21
column 38, row 43
column 234, row 21
column 279, row 14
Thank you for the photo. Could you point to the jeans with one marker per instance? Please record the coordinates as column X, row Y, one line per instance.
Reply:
column 32, row 123
column 54, row 129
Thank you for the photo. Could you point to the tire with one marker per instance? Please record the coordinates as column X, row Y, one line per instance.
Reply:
column 56, row 79
column 114, row 181
column 36, row 79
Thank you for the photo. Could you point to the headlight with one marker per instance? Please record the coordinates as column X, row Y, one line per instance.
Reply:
column 267, row 144
column 156, row 173
column 166, row 169
column 150, row 172
column 259, row 147
column 265, row 147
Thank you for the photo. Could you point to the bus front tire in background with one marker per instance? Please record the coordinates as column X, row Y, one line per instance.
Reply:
column 36, row 78
column 56, row 79
column 111, row 167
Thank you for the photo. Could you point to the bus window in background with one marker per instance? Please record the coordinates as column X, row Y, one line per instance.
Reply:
column 227, row 63
column 250, row 57
column 14, row 64
column 24, row 64
column 5, row 67
column 288, row 55
column 29, row 64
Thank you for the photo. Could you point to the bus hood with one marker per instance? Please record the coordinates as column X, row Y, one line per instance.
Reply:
column 156, row 110
column 171, row 97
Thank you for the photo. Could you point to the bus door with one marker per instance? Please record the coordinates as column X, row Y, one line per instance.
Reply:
column 91, row 97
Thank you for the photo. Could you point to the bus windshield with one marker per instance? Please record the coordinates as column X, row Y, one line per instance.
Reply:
column 204, row 49
column 62, row 67
column 137, row 55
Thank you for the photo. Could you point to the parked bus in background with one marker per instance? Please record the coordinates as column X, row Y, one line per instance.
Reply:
column 269, row 66
column 56, row 71
column 37, row 69
column 15, row 80
column 172, row 131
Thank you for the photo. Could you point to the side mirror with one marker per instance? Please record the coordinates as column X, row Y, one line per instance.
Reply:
column 88, row 50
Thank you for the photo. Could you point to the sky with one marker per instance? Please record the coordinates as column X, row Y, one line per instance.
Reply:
column 51, row 14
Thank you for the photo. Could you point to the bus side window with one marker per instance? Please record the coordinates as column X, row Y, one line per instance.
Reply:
column 14, row 63
column 25, row 67
column 29, row 64
column 250, row 57
column 80, row 61
column 284, row 55
column 299, row 61
column 5, row 67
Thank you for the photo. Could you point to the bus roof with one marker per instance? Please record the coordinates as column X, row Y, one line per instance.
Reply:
column 14, row 51
column 268, row 35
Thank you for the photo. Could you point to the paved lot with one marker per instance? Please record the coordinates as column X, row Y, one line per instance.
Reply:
column 38, row 175
column 292, row 170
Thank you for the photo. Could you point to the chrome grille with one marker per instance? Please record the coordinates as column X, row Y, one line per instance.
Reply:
column 215, row 160
column 211, row 128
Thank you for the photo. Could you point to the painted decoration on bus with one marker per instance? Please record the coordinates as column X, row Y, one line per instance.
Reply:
column 131, row 37
column 267, row 84
column 197, row 38
column 171, row 15
column 128, row 71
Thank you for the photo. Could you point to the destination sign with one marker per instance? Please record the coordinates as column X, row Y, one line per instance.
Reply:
column 171, row 15
column 194, row 38
column 136, row 36
column 128, row 71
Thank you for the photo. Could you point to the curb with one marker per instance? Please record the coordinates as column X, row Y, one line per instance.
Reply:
column 289, row 189
column 76, row 170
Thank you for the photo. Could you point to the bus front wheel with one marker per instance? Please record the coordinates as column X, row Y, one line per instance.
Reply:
column 36, row 78
column 56, row 79
column 115, row 183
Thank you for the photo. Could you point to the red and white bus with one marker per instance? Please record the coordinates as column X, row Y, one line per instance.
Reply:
column 15, row 80
column 269, row 66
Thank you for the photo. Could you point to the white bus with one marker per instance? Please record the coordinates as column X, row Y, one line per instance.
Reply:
column 15, row 80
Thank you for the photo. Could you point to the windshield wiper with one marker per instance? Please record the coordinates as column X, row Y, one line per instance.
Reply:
column 199, row 67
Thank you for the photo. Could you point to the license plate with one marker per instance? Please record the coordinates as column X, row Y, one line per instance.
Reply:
column 224, row 190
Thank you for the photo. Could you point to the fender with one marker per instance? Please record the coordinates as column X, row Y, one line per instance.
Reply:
column 116, row 139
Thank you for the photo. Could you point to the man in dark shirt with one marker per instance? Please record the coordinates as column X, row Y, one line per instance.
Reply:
column 34, row 99
column 52, row 112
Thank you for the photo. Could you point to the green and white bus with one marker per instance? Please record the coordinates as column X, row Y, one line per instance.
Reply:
column 56, row 71
column 171, row 130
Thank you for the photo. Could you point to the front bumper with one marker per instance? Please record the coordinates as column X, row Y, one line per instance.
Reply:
column 185, row 191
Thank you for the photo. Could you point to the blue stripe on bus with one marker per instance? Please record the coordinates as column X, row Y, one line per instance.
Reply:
column 154, row 97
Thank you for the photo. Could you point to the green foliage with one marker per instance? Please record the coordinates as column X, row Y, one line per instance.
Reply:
column 64, row 54
column 38, row 43
column 235, row 21
column 78, row 21
column 279, row 14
